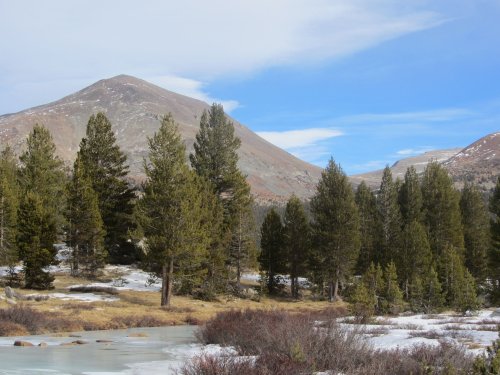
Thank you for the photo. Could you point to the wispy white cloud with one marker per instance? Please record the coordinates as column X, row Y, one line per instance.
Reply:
column 191, row 88
column 414, row 151
column 200, row 40
column 438, row 115
column 296, row 139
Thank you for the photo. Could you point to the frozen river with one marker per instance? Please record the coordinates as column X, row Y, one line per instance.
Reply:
column 140, row 351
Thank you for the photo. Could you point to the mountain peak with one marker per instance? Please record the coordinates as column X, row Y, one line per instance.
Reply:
column 134, row 107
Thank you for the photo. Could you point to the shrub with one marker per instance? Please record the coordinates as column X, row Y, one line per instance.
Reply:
column 35, row 322
column 284, row 343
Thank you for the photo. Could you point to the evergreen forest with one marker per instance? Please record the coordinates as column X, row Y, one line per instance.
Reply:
column 414, row 244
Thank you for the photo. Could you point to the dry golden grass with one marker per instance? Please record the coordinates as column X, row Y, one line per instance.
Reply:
column 135, row 309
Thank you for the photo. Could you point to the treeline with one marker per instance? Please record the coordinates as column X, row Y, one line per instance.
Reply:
column 416, row 243
column 194, row 225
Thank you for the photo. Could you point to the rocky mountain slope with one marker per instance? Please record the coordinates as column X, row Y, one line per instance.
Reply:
column 399, row 168
column 134, row 107
column 478, row 162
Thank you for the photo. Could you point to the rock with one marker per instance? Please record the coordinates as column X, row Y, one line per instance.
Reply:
column 73, row 335
column 9, row 292
column 80, row 342
column 43, row 345
column 11, row 301
column 103, row 341
column 36, row 297
column 22, row 343
column 93, row 289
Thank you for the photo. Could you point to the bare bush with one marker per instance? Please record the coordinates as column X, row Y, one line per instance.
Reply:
column 284, row 343
column 35, row 322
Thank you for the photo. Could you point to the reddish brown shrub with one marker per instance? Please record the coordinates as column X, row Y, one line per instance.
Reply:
column 282, row 343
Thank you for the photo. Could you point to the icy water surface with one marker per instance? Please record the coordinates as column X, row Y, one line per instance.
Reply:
column 140, row 351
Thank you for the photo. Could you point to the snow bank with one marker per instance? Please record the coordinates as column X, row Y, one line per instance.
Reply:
column 129, row 278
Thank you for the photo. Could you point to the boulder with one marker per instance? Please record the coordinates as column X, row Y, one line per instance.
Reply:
column 80, row 342
column 9, row 292
column 22, row 343
column 43, row 345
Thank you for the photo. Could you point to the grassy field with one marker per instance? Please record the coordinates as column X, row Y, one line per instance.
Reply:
column 133, row 309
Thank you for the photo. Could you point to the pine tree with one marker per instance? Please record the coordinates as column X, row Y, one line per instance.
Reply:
column 387, row 201
column 363, row 302
column 441, row 210
column 494, row 255
column 272, row 257
column 215, row 156
column 105, row 165
column 476, row 227
column 169, row 212
column 458, row 284
column 243, row 248
column 370, row 227
column 392, row 296
column 35, row 238
column 215, row 263
column 336, row 226
column 41, row 172
column 433, row 298
column 416, row 294
column 215, row 159
column 415, row 257
column 85, row 234
column 410, row 197
column 9, row 203
column 373, row 278
column 297, row 242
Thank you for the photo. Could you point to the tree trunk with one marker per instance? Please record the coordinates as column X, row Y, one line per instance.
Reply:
column 336, row 290
column 167, row 282
column 76, row 261
column 292, row 286
column 330, row 290
column 336, row 287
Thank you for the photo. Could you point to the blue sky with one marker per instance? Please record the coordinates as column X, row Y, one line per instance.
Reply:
column 364, row 81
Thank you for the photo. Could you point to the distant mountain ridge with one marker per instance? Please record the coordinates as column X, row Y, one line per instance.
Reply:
column 399, row 168
column 134, row 108
column 478, row 162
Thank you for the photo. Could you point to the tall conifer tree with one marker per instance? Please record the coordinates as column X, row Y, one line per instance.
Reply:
column 410, row 197
column 170, row 212
column 476, row 227
column 9, row 203
column 85, row 233
column 272, row 257
column 336, row 226
column 370, row 227
column 415, row 258
column 41, row 172
column 41, row 211
column 441, row 210
column 215, row 159
column 297, row 242
column 387, row 201
column 35, row 238
column 105, row 165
